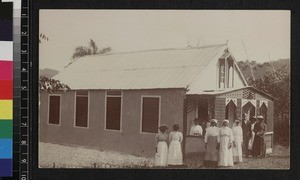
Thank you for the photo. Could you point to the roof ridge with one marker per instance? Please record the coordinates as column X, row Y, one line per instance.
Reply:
column 136, row 69
column 164, row 49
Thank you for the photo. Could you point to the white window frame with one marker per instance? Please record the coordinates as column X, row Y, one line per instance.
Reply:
column 121, row 110
column 60, row 99
column 88, row 113
column 141, row 114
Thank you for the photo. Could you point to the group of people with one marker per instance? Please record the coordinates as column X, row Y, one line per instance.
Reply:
column 224, row 146
column 168, row 155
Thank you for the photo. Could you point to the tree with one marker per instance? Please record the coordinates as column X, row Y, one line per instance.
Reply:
column 48, row 84
column 277, row 84
column 51, row 85
column 91, row 49
column 43, row 37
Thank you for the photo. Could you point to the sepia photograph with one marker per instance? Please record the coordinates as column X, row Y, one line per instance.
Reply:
column 164, row 89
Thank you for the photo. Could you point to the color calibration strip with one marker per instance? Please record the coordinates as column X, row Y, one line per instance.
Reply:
column 6, row 88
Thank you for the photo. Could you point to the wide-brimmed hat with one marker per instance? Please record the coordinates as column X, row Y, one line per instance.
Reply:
column 260, row 117
column 163, row 126
column 214, row 120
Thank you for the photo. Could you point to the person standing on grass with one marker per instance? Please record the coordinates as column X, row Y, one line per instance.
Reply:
column 212, row 139
column 237, row 150
column 259, row 145
column 161, row 147
column 175, row 151
column 226, row 139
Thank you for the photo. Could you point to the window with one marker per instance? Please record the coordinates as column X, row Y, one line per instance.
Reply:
column 113, row 110
column 222, row 73
column 82, row 105
column 54, row 109
column 150, row 114
column 226, row 73
column 230, row 74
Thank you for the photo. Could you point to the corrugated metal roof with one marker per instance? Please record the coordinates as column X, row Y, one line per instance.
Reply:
column 167, row 68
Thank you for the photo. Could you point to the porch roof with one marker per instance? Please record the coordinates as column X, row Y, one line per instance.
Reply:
column 229, row 90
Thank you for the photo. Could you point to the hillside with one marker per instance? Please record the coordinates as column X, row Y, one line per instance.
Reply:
column 260, row 69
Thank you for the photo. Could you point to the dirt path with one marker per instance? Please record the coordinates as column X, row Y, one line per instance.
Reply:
column 59, row 156
column 279, row 159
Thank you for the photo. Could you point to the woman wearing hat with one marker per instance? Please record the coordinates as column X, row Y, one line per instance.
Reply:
column 161, row 147
column 237, row 150
column 212, row 146
column 226, row 139
column 175, row 152
column 259, row 145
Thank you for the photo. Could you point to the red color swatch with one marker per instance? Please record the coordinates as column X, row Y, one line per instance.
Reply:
column 6, row 70
column 6, row 89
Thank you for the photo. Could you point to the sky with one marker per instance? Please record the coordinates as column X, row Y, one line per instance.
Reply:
column 260, row 35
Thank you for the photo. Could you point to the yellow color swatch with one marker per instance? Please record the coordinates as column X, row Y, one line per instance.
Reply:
column 6, row 108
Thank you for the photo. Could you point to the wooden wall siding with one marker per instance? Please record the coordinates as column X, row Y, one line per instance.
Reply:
column 220, row 109
column 150, row 114
column 270, row 116
column 113, row 113
column 54, row 110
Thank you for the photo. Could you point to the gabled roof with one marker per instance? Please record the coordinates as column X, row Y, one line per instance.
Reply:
column 152, row 69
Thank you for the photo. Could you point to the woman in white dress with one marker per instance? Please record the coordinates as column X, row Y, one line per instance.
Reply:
column 226, row 139
column 175, row 152
column 196, row 129
column 161, row 147
column 237, row 142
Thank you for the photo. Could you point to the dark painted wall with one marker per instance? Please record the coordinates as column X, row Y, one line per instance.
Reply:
column 129, row 140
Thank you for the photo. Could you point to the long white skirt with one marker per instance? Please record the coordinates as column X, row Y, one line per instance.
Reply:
column 175, row 153
column 162, row 154
column 238, row 151
column 225, row 154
